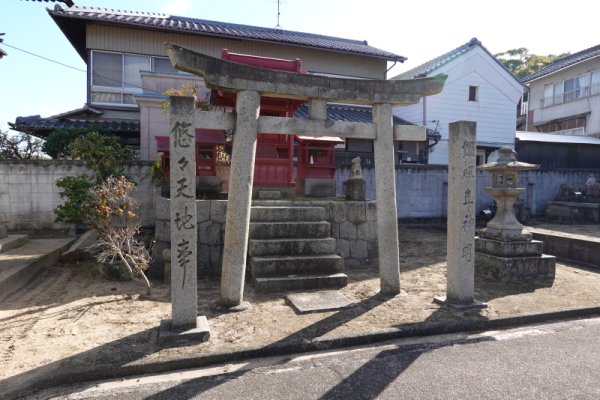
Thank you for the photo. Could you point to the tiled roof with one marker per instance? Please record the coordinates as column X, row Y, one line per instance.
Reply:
column 430, row 66
column 172, row 23
column 352, row 113
column 42, row 127
column 564, row 62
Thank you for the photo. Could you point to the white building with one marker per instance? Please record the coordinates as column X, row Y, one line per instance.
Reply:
column 479, row 88
column 564, row 97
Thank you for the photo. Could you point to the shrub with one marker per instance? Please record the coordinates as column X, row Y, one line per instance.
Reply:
column 113, row 214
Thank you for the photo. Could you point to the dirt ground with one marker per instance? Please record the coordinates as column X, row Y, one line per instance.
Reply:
column 70, row 317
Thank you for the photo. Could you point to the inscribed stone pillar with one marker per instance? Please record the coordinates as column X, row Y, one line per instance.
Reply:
column 183, row 214
column 461, row 213
column 240, row 199
column 387, row 218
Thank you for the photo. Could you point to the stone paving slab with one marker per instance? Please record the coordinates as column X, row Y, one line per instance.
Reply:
column 19, row 265
column 12, row 241
column 329, row 300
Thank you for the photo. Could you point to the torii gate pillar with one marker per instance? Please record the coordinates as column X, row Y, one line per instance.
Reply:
column 239, row 201
column 249, row 83
column 385, row 181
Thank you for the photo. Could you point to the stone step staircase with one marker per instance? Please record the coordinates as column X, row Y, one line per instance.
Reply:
column 290, row 249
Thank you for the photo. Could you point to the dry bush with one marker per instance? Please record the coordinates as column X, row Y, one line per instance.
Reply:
column 113, row 214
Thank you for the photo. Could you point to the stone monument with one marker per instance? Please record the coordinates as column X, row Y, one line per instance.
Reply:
column 355, row 185
column 460, row 277
column 504, row 250
column 185, row 324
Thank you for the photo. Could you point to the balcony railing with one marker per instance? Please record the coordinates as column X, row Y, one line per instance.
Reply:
column 572, row 95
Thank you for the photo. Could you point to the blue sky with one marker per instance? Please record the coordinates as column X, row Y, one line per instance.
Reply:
column 419, row 30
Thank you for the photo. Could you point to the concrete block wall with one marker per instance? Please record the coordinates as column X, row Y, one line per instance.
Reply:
column 422, row 191
column 28, row 192
column 353, row 225
column 29, row 195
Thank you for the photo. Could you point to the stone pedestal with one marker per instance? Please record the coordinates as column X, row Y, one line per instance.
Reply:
column 517, row 260
column 504, row 249
column 355, row 189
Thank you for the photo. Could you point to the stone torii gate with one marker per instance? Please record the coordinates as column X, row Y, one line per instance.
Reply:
column 250, row 83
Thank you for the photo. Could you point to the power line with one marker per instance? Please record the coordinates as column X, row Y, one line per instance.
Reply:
column 45, row 58
column 81, row 70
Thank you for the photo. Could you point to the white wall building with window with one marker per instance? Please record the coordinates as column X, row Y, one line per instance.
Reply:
column 564, row 97
column 478, row 89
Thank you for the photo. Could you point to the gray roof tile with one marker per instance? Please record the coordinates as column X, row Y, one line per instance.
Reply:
column 431, row 65
column 221, row 29
column 352, row 113
column 564, row 62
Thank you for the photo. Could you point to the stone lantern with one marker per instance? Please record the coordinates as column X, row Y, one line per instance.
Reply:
column 504, row 249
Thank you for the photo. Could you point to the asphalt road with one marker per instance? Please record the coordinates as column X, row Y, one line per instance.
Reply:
column 554, row 361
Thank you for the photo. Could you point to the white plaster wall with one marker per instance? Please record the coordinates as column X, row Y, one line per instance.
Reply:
column 494, row 112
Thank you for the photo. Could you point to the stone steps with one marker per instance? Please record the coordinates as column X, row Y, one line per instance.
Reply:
column 295, row 265
column 282, row 214
column 12, row 241
column 267, row 247
column 287, row 230
column 290, row 248
column 21, row 264
column 303, row 282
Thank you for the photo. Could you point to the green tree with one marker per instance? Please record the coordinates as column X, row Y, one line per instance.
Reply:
column 522, row 64
column 105, row 157
column 58, row 142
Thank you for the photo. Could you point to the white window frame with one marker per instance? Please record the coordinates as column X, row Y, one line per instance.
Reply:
column 122, row 90
column 583, row 86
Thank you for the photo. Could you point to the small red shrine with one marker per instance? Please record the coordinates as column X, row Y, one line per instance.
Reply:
column 275, row 153
column 207, row 141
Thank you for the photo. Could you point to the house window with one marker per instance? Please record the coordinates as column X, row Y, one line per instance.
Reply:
column 163, row 65
column 116, row 78
column 548, row 95
column 558, row 93
column 595, row 82
column 473, row 93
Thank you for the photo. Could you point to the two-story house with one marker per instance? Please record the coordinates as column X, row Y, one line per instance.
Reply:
column 478, row 88
column 564, row 97
column 128, row 69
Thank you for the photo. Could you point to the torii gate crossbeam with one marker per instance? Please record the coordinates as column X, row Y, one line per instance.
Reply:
column 250, row 83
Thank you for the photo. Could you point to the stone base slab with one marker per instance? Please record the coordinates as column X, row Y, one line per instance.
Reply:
column 505, row 269
column 533, row 248
column 12, row 241
column 505, row 235
column 463, row 306
column 217, row 307
column 328, row 300
column 171, row 338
